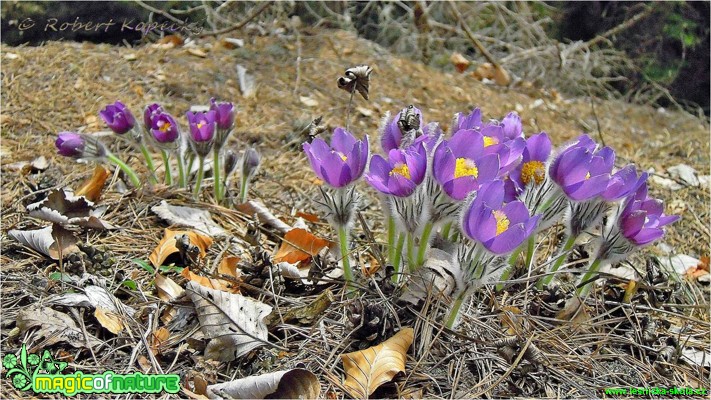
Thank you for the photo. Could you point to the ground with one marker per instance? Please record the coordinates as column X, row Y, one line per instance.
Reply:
column 62, row 86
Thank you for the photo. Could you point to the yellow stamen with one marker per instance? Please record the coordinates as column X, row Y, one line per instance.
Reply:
column 587, row 176
column 200, row 124
column 402, row 170
column 489, row 140
column 465, row 167
column 164, row 127
column 533, row 171
column 502, row 222
column 343, row 157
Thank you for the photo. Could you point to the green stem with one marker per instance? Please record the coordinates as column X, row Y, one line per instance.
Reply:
column 558, row 262
column 445, row 230
column 243, row 189
column 504, row 277
column 166, row 166
column 149, row 163
column 398, row 257
column 455, row 309
column 584, row 290
column 198, row 180
column 410, row 252
column 343, row 242
column 126, row 169
column 181, row 170
column 391, row 240
column 530, row 251
column 216, row 173
column 424, row 244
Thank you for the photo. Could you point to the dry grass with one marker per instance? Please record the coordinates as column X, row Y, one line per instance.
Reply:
column 62, row 86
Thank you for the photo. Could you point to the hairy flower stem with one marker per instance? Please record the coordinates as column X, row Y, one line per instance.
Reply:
column 455, row 309
column 585, row 289
column 391, row 239
column 347, row 272
column 126, row 169
column 350, row 104
column 424, row 244
column 398, row 257
column 149, row 163
column 198, row 180
column 243, row 189
column 561, row 257
column 182, row 178
column 445, row 230
column 166, row 166
column 530, row 247
column 410, row 252
column 216, row 173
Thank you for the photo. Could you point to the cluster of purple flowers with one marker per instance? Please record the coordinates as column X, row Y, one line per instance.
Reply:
column 208, row 132
column 505, row 187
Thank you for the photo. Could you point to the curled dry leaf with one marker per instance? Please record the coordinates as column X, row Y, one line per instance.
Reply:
column 45, row 240
column 109, row 320
column 157, row 338
column 167, row 245
column 293, row 384
column 92, row 187
column 233, row 323
column 356, row 79
column 93, row 297
column 367, row 369
column 217, row 284
column 265, row 216
column 167, row 289
column 460, row 62
column 65, row 209
column 228, row 266
column 53, row 327
column 197, row 219
column 299, row 245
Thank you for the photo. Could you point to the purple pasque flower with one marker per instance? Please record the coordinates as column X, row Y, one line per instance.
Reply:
column 202, row 125
column 342, row 162
column 512, row 127
column 460, row 164
column 581, row 171
column 70, row 144
column 225, row 111
column 149, row 112
column 623, row 183
column 499, row 227
column 400, row 174
column 471, row 121
column 164, row 128
column 532, row 169
column 118, row 117
column 510, row 154
column 391, row 136
column 642, row 220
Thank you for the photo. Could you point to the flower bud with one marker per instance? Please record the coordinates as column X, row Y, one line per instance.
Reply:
column 118, row 117
column 230, row 162
column 250, row 162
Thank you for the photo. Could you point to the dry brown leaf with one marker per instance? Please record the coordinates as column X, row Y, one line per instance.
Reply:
column 460, row 62
column 53, row 327
column 168, row 290
column 109, row 320
column 511, row 320
column 174, row 40
column 158, row 337
column 501, row 76
column 367, row 369
column 45, row 240
column 299, row 245
column 217, row 284
column 293, row 384
column 197, row 53
column 309, row 217
column 67, row 209
column 92, row 187
column 228, row 266
column 166, row 247
column 483, row 71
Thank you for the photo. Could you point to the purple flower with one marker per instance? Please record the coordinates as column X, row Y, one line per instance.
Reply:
column 532, row 169
column 500, row 227
column 460, row 164
column 582, row 172
column 118, row 118
column 471, row 121
column 509, row 152
column 642, row 220
column 512, row 126
column 392, row 134
column 202, row 125
column 149, row 112
column 623, row 183
column 341, row 163
column 164, row 128
column 400, row 174
column 225, row 114
column 70, row 144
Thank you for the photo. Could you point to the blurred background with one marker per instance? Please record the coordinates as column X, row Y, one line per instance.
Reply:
column 654, row 53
